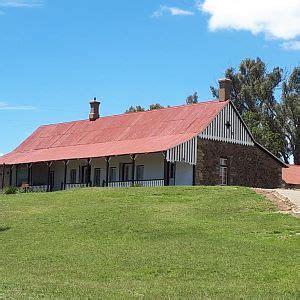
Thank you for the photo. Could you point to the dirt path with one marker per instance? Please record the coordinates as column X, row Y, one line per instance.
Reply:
column 282, row 201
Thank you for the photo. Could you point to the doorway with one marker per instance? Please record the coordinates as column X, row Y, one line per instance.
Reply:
column 97, row 177
column 51, row 182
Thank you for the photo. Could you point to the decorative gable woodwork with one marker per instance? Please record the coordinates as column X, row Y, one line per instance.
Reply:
column 228, row 127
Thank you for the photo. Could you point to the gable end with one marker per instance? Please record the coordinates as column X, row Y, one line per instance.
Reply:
column 228, row 127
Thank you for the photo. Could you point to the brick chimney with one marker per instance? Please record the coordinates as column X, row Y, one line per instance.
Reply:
column 94, row 114
column 224, row 89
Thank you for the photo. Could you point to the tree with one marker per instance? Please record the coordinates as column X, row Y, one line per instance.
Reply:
column 289, row 114
column 253, row 90
column 192, row 99
column 137, row 108
column 155, row 106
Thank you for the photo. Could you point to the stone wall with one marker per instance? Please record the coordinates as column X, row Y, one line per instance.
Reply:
column 247, row 165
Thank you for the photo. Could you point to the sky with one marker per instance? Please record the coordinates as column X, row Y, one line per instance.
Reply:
column 56, row 55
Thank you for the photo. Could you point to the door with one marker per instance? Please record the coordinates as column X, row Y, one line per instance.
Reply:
column 51, row 181
column 127, row 172
column 84, row 175
column 97, row 177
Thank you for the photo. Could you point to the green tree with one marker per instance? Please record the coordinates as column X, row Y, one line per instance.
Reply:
column 137, row 108
column 192, row 99
column 289, row 114
column 155, row 106
column 253, row 94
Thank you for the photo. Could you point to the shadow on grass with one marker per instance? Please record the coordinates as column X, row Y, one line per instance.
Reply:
column 4, row 228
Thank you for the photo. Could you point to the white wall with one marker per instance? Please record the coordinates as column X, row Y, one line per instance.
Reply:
column 59, row 169
column 153, row 165
column 101, row 164
column 153, row 169
column 184, row 174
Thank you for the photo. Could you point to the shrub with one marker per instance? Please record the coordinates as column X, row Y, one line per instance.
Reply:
column 137, row 185
column 10, row 190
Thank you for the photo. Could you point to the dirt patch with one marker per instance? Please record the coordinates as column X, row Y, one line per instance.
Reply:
column 282, row 203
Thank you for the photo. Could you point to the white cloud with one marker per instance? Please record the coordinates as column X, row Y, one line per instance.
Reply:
column 6, row 106
column 278, row 19
column 1, row 154
column 291, row 45
column 20, row 3
column 174, row 11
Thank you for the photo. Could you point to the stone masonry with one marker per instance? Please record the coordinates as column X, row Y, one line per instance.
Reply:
column 247, row 165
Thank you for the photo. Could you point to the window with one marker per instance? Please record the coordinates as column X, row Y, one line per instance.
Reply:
column 127, row 172
column 73, row 175
column 223, row 171
column 112, row 174
column 140, row 172
column 97, row 177
column 224, row 162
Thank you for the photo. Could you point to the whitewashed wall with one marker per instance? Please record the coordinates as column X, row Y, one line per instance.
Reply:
column 98, row 163
column 153, row 169
column 154, row 165
column 58, row 169
column 184, row 174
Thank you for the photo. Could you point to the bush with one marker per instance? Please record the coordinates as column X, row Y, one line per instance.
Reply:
column 137, row 185
column 10, row 190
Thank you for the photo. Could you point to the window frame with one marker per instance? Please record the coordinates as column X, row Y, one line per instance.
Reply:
column 224, row 171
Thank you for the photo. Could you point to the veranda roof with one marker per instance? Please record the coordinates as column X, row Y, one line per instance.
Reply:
column 291, row 175
column 133, row 133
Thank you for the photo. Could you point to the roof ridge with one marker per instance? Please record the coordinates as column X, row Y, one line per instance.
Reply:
column 141, row 132
column 136, row 112
column 168, row 107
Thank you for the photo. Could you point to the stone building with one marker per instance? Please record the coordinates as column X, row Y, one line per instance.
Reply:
column 206, row 143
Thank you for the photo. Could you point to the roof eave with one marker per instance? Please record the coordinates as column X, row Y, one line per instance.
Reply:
column 271, row 154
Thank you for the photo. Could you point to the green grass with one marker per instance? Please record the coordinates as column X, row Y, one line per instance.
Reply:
column 183, row 242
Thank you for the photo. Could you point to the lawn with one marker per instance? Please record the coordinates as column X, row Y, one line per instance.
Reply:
column 180, row 242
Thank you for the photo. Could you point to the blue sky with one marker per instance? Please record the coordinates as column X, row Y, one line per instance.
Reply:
column 55, row 55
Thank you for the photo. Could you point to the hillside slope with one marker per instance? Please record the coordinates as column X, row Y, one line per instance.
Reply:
column 161, row 242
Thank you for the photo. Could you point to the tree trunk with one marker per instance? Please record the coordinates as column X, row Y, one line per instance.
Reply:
column 297, row 147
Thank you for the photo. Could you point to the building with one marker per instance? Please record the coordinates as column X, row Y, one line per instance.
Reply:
column 291, row 176
column 200, row 144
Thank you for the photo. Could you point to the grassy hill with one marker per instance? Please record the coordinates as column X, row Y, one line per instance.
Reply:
column 154, row 243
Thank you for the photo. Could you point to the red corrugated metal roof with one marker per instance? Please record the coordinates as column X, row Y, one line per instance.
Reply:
column 134, row 133
column 291, row 175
